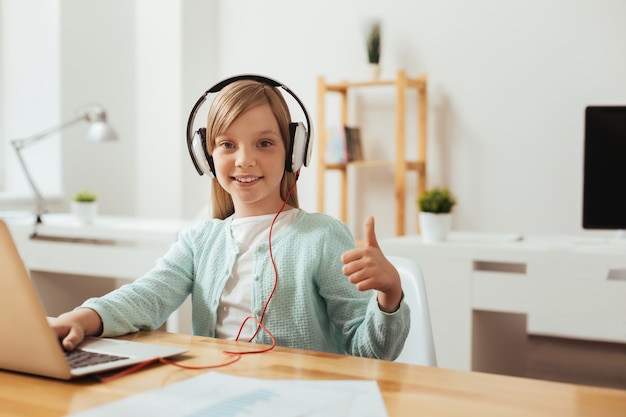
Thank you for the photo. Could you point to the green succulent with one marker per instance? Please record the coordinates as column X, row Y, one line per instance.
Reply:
column 436, row 200
column 373, row 43
column 85, row 196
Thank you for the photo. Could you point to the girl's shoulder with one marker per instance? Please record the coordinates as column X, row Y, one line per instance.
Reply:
column 321, row 222
column 205, row 228
column 207, row 238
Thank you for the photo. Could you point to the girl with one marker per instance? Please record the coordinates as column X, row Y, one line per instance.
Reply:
column 261, row 259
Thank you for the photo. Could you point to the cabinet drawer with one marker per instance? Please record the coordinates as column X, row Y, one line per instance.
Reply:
column 500, row 286
column 575, row 327
column 593, row 310
column 579, row 298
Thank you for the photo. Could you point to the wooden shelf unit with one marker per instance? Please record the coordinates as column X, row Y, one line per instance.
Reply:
column 400, row 164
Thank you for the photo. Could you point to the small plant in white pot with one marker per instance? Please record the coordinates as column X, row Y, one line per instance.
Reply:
column 373, row 43
column 85, row 206
column 435, row 216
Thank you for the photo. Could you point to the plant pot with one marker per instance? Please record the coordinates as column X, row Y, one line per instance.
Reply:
column 434, row 226
column 85, row 212
column 374, row 70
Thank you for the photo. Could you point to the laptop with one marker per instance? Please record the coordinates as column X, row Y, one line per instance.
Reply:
column 29, row 345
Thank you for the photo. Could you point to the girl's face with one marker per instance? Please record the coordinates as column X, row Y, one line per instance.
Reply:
column 249, row 160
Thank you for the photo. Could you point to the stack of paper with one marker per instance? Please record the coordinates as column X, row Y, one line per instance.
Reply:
column 220, row 395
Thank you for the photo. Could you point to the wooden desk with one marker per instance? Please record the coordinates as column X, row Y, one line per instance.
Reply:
column 407, row 390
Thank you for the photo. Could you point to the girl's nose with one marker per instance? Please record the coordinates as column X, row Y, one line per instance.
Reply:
column 245, row 158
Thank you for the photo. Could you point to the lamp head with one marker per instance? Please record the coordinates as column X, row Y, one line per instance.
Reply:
column 99, row 130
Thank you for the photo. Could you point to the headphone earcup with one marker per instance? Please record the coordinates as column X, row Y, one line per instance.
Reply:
column 300, row 147
column 200, row 155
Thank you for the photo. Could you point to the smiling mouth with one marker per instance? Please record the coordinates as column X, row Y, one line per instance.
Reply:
column 246, row 180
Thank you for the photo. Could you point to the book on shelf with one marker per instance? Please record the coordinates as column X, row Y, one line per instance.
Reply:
column 354, row 146
column 344, row 145
column 336, row 152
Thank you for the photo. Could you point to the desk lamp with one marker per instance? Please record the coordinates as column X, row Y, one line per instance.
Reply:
column 98, row 131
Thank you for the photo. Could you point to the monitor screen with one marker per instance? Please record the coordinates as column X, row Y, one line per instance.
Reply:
column 604, row 181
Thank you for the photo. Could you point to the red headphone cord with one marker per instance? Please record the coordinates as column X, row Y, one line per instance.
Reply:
column 236, row 355
column 260, row 320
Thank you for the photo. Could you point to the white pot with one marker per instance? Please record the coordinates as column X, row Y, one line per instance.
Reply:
column 85, row 212
column 434, row 226
column 374, row 69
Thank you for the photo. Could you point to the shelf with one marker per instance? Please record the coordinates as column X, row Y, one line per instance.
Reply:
column 361, row 164
column 399, row 164
column 418, row 166
column 344, row 86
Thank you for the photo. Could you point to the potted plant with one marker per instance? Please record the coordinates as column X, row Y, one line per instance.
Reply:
column 85, row 206
column 373, row 47
column 435, row 215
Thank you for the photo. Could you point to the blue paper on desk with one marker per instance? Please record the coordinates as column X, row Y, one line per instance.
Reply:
column 220, row 395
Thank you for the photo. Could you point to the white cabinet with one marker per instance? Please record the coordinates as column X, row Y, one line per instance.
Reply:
column 575, row 296
column 447, row 278
column 548, row 286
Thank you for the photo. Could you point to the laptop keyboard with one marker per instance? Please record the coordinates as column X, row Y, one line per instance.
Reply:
column 80, row 358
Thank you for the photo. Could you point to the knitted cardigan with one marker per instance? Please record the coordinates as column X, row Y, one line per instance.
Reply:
column 314, row 306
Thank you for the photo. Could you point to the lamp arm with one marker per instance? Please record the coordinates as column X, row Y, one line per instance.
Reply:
column 23, row 143
column 19, row 144
column 40, row 206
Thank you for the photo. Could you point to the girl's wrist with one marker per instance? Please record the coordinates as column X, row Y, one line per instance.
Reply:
column 387, row 304
column 89, row 320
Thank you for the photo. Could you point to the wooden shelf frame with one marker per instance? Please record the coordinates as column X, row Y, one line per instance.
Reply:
column 400, row 164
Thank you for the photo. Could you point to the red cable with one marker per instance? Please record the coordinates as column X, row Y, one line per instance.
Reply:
column 237, row 355
column 260, row 320
column 141, row 365
column 126, row 371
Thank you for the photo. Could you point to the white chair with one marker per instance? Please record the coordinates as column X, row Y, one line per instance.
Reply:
column 419, row 348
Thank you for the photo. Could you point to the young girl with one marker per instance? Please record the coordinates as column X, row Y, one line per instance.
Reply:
column 297, row 273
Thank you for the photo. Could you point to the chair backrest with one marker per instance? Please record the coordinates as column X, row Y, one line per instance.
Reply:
column 419, row 348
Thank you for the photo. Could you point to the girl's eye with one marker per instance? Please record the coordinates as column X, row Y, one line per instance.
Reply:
column 226, row 145
column 265, row 143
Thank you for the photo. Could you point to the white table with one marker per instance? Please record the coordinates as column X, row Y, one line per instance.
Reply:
column 121, row 248
column 566, row 287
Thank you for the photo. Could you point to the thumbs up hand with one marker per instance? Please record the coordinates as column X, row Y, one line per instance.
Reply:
column 368, row 269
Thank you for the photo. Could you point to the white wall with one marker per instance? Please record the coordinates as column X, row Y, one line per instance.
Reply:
column 174, row 60
column 98, row 66
column 158, row 92
column 153, row 52
column 30, row 91
column 508, row 83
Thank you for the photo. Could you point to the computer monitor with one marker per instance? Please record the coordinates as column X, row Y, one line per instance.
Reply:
column 604, row 183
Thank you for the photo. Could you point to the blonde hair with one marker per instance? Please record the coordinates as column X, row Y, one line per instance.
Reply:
column 232, row 101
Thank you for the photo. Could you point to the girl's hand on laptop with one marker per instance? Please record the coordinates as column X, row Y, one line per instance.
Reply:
column 367, row 268
column 72, row 327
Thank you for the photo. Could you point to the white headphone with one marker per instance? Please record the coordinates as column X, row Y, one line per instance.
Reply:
column 300, row 136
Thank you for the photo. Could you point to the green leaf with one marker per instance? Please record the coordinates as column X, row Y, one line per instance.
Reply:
column 436, row 200
column 85, row 196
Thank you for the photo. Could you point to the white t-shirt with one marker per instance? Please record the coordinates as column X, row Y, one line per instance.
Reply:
column 235, row 303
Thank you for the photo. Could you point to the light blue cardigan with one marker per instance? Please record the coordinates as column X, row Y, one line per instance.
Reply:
column 314, row 307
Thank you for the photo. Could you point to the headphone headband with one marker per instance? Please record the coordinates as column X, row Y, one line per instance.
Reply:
column 261, row 79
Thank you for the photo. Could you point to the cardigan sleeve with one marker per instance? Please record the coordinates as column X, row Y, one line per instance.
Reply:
column 146, row 303
column 363, row 329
